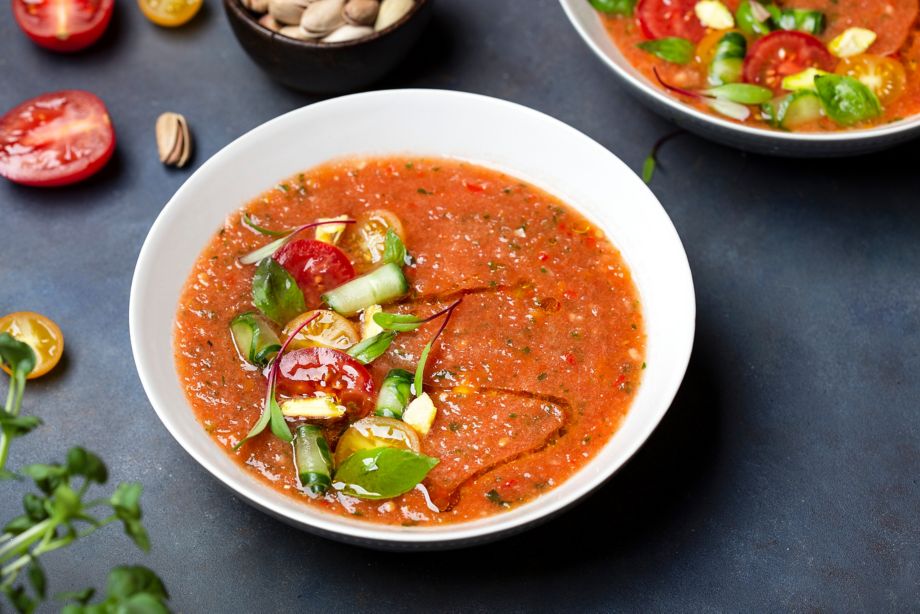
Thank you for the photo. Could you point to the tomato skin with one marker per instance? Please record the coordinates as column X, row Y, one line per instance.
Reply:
column 306, row 371
column 315, row 266
column 169, row 13
column 34, row 139
column 41, row 333
column 85, row 24
column 663, row 18
column 783, row 53
column 886, row 77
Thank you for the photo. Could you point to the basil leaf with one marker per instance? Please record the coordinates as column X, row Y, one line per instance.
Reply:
column 742, row 93
column 372, row 348
column 278, row 424
column 18, row 356
column 672, row 49
column 846, row 100
column 615, row 7
column 403, row 322
column 275, row 293
column 394, row 251
column 382, row 473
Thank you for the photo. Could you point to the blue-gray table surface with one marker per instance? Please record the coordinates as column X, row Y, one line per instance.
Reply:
column 784, row 477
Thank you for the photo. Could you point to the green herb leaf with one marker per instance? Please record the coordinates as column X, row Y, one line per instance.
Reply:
column 18, row 425
column 278, row 423
column 671, row 49
column 264, row 231
column 742, row 93
column 846, row 100
column 420, row 369
column 402, row 322
column 82, row 597
column 648, row 168
column 614, row 7
column 87, row 464
column 18, row 356
column 372, row 348
column 129, row 581
column 275, row 292
column 382, row 473
column 394, row 251
column 125, row 502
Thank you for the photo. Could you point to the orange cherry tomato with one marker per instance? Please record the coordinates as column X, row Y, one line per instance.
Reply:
column 39, row 333
column 884, row 76
column 169, row 13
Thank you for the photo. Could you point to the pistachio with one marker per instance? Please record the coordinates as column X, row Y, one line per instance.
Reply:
column 348, row 32
column 267, row 21
column 298, row 33
column 323, row 16
column 256, row 6
column 287, row 12
column 392, row 11
column 361, row 12
column 174, row 142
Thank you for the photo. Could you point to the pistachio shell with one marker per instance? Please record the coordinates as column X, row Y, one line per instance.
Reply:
column 348, row 32
column 256, row 6
column 174, row 141
column 323, row 16
column 361, row 12
column 267, row 21
column 392, row 11
column 287, row 12
column 297, row 32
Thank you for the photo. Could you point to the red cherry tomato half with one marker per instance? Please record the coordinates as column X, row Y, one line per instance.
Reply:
column 307, row 371
column 781, row 54
column 663, row 18
column 56, row 139
column 63, row 25
column 315, row 266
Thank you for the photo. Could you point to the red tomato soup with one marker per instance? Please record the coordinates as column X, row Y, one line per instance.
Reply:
column 532, row 373
column 805, row 65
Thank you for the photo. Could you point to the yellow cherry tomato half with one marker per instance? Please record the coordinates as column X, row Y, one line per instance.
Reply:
column 39, row 333
column 375, row 432
column 169, row 13
column 329, row 330
column 884, row 76
column 365, row 240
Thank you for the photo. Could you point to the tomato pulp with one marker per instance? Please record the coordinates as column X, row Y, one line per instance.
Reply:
column 307, row 371
column 783, row 53
column 63, row 25
column 666, row 18
column 56, row 139
column 315, row 266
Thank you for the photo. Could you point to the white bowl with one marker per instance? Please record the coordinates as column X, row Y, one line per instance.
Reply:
column 588, row 24
column 491, row 132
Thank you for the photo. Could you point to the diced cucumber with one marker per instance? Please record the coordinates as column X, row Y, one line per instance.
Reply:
column 376, row 287
column 311, row 455
column 394, row 394
column 794, row 109
column 728, row 61
column 254, row 338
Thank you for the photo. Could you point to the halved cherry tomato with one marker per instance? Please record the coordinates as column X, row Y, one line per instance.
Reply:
column 365, row 239
column 169, row 13
column 780, row 54
column 884, row 76
column 63, row 25
column 306, row 371
column 328, row 330
column 39, row 333
column 375, row 432
column 316, row 266
column 663, row 18
column 55, row 139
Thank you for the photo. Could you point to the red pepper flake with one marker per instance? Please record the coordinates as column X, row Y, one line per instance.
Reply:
column 474, row 187
column 569, row 358
column 620, row 381
column 542, row 256
column 570, row 295
column 510, row 483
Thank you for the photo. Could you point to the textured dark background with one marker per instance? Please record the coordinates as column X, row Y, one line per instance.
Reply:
column 785, row 476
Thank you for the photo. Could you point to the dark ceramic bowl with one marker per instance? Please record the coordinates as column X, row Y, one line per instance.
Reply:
column 327, row 68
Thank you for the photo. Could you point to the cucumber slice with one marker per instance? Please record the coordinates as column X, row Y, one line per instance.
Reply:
column 794, row 109
column 313, row 460
column 254, row 338
column 374, row 288
column 394, row 394
column 728, row 62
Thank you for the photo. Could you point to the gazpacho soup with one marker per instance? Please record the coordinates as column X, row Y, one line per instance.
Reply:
column 409, row 341
column 801, row 65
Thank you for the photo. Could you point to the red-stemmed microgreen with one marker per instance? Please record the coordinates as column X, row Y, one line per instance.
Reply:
column 729, row 99
column 651, row 161
column 271, row 411
column 285, row 237
column 420, row 369
column 406, row 322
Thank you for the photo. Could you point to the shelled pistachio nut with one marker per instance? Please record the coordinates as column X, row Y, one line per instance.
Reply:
column 287, row 12
column 348, row 32
column 298, row 33
column 174, row 142
column 392, row 11
column 323, row 16
column 267, row 21
column 256, row 6
column 361, row 12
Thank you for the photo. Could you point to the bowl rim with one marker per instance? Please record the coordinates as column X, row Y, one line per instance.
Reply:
column 245, row 14
column 367, row 533
column 646, row 87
